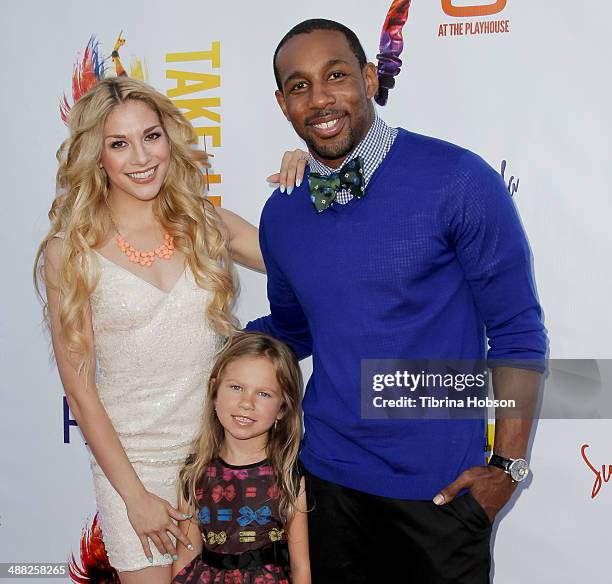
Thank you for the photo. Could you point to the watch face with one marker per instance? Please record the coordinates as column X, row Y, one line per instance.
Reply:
column 519, row 470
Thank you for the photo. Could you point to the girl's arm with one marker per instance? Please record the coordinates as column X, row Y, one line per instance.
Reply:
column 191, row 530
column 149, row 515
column 297, row 536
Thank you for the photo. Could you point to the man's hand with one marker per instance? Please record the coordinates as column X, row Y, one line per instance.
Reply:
column 490, row 486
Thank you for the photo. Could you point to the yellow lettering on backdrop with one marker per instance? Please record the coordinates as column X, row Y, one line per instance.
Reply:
column 214, row 56
column 199, row 77
column 197, row 108
column 213, row 131
column 490, row 436
column 202, row 82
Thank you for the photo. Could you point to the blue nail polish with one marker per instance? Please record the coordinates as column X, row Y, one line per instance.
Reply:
column 298, row 182
column 187, row 515
column 175, row 557
column 190, row 547
column 150, row 560
column 282, row 188
column 289, row 190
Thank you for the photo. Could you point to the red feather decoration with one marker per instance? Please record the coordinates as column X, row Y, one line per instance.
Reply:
column 95, row 567
column 86, row 73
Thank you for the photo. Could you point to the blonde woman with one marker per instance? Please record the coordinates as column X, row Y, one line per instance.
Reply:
column 139, row 285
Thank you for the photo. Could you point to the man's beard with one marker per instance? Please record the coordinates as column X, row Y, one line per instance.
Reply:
column 335, row 150
column 340, row 148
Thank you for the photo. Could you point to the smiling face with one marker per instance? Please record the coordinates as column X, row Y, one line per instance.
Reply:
column 325, row 94
column 249, row 399
column 136, row 151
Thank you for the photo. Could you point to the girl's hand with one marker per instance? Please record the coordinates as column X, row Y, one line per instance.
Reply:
column 292, row 170
column 151, row 517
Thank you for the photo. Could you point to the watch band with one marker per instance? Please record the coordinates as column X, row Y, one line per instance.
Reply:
column 501, row 462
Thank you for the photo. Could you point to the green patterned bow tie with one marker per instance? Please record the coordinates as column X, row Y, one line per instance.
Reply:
column 324, row 188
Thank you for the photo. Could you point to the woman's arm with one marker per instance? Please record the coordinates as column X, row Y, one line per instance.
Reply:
column 149, row 515
column 297, row 536
column 243, row 237
column 191, row 530
column 243, row 240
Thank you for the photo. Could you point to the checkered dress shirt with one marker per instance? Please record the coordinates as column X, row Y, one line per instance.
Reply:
column 372, row 149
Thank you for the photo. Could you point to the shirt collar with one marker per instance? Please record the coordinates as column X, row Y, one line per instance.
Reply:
column 372, row 149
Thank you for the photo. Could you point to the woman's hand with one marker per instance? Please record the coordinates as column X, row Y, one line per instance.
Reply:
column 151, row 517
column 292, row 170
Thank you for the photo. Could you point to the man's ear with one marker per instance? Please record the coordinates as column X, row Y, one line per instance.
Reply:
column 370, row 78
column 280, row 99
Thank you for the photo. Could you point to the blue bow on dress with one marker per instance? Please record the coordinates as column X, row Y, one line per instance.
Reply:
column 247, row 515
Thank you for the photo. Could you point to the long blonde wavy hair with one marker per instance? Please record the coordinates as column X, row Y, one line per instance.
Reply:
column 81, row 215
column 283, row 438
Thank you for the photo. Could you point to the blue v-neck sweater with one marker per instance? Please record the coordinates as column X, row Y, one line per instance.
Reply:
column 427, row 265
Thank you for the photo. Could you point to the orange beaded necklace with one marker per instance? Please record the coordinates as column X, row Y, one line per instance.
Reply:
column 146, row 258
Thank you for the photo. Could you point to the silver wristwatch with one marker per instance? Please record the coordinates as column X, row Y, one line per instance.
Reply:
column 517, row 468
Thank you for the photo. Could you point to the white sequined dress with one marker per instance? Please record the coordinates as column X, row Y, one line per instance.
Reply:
column 154, row 351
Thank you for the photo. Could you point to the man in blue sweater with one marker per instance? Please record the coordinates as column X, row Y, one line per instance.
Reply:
column 398, row 246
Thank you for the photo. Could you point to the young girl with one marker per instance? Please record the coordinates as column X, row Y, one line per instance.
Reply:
column 139, row 287
column 241, row 486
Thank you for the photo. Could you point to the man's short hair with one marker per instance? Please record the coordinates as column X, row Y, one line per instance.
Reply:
column 313, row 24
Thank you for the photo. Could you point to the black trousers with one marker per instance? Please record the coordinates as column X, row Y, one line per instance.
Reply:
column 358, row 538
